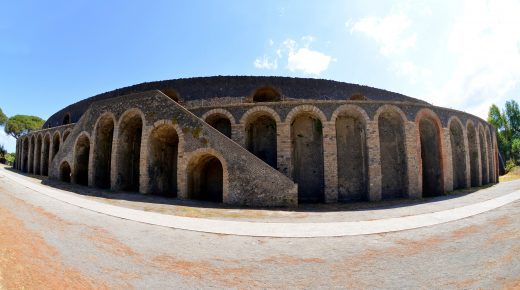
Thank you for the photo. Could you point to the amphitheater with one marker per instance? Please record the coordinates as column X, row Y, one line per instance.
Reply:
column 262, row 141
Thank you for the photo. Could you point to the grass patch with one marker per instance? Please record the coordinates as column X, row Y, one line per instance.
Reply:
column 513, row 174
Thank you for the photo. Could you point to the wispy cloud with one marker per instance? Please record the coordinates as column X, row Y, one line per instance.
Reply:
column 391, row 32
column 299, row 56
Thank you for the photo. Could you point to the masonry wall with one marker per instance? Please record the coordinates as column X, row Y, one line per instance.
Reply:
column 322, row 160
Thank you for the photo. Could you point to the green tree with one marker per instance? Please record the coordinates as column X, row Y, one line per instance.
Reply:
column 3, row 118
column 507, row 123
column 2, row 150
column 19, row 125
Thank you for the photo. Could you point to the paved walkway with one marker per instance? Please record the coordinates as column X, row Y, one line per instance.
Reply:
column 506, row 193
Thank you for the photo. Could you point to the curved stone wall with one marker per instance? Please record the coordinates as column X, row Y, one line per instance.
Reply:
column 276, row 153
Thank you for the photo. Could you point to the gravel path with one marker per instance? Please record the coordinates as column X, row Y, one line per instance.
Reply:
column 48, row 244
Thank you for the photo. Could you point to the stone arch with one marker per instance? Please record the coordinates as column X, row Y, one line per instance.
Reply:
column 207, row 176
column 394, row 171
column 81, row 159
column 473, row 153
column 66, row 119
column 130, row 130
column 430, row 137
column 102, row 153
column 352, row 156
column 266, row 94
column 46, row 154
column 56, row 142
column 65, row 172
column 458, row 153
column 25, row 153
column 261, row 133
column 66, row 134
column 307, row 170
column 220, row 119
column 483, row 155
column 163, row 159
column 38, row 154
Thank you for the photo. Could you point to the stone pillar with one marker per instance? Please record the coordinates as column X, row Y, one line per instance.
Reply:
column 467, row 153
column 144, row 177
column 30, row 156
column 479, row 163
column 283, row 139
column 446, row 159
column 113, row 164
column 238, row 134
column 330, row 160
column 91, row 176
column 413, row 153
column 374, row 161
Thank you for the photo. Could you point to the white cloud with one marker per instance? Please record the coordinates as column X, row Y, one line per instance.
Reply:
column 8, row 141
column 390, row 32
column 411, row 71
column 300, row 57
column 265, row 63
column 485, row 41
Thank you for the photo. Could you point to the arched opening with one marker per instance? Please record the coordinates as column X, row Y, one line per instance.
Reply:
column 206, row 179
column 55, row 145
column 473, row 154
column 458, row 155
column 66, row 135
column 172, row 94
column 352, row 158
column 261, row 138
column 38, row 155
column 432, row 182
column 221, row 123
column 307, row 157
column 45, row 154
column 394, row 174
column 25, row 166
column 162, row 167
column 81, row 158
column 66, row 119
column 129, row 152
column 266, row 94
column 483, row 157
column 103, row 151
column 358, row 97
column 65, row 172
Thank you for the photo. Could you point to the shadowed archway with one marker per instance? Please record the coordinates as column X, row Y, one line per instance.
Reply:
column 81, row 159
column 205, row 179
column 102, row 158
column 162, row 168
column 432, row 171
column 129, row 152
column 261, row 138
column 458, row 155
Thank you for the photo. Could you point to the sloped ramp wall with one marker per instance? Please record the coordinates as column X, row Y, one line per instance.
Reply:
column 247, row 180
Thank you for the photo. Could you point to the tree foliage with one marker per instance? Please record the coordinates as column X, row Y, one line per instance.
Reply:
column 19, row 125
column 507, row 123
column 3, row 118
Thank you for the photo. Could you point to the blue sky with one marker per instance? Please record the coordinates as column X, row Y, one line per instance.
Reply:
column 462, row 55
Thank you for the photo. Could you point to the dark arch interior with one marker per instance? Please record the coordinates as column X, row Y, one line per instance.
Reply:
column 65, row 172
column 103, row 152
column 129, row 152
column 221, row 123
column 491, row 168
column 261, row 138
column 45, row 155
column 307, row 157
column 66, row 119
column 483, row 157
column 25, row 145
column 458, row 154
column 473, row 155
column 32, row 143
column 162, row 167
column 206, row 179
column 267, row 94
column 66, row 135
column 81, row 157
column 38, row 155
column 358, row 97
column 393, row 155
column 172, row 94
column 431, row 158
column 352, row 158
column 55, row 145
